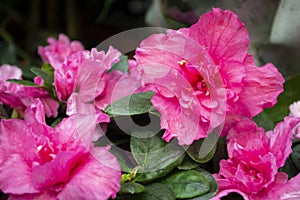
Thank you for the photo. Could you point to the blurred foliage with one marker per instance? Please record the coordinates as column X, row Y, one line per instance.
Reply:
column 273, row 25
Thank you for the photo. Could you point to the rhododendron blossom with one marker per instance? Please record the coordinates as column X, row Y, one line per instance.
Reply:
column 19, row 96
column 202, row 73
column 254, row 160
column 58, row 50
column 80, row 75
column 55, row 163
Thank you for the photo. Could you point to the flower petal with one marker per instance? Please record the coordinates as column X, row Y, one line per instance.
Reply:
column 16, row 179
column 223, row 34
column 262, row 85
column 98, row 179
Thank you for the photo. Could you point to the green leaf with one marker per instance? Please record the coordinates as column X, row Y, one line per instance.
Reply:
column 188, row 164
column 213, row 186
column 188, row 184
column 155, row 157
column 56, row 122
column 291, row 94
column 132, row 188
column 48, row 79
column 123, row 160
column 131, row 105
column 289, row 168
column 23, row 82
column 295, row 156
column 264, row 121
column 46, row 67
column 201, row 154
column 155, row 191
column 122, row 65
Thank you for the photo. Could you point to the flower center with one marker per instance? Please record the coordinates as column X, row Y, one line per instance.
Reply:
column 46, row 153
column 194, row 77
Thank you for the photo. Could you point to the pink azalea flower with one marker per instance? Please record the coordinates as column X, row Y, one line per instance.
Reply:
column 85, row 82
column 254, row 160
column 7, row 88
column 202, row 74
column 58, row 50
column 58, row 163
column 18, row 96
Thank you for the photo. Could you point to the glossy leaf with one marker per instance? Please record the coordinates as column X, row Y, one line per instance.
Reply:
column 48, row 79
column 155, row 157
column 122, row 65
column 131, row 105
column 199, row 154
column 23, row 82
column 188, row 184
column 213, row 186
column 132, row 188
column 264, row 121
column 295, row 156
column 188, row 164
column 155, row 191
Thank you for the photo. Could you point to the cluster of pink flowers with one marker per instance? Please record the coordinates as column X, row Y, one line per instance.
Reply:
column 203, row 78
column 254, row 159
column 60, row 162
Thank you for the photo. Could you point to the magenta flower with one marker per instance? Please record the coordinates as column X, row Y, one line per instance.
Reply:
column 254, row 160
column 7, row 89
column 18, row 96
column 202, row 74
column 55, row 163
column 58, row 50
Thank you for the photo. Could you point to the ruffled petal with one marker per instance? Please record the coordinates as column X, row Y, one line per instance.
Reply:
column 262, row 85
column 223, row 34
column 99, row 178
column 280, row 140
column 16, row 179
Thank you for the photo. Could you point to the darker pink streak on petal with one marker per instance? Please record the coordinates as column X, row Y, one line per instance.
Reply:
column 98, row 179
column 280, row 140
column 224, row 35
column 57, row 172
column 15, row 176
column 262, row 85
column 11, row 100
